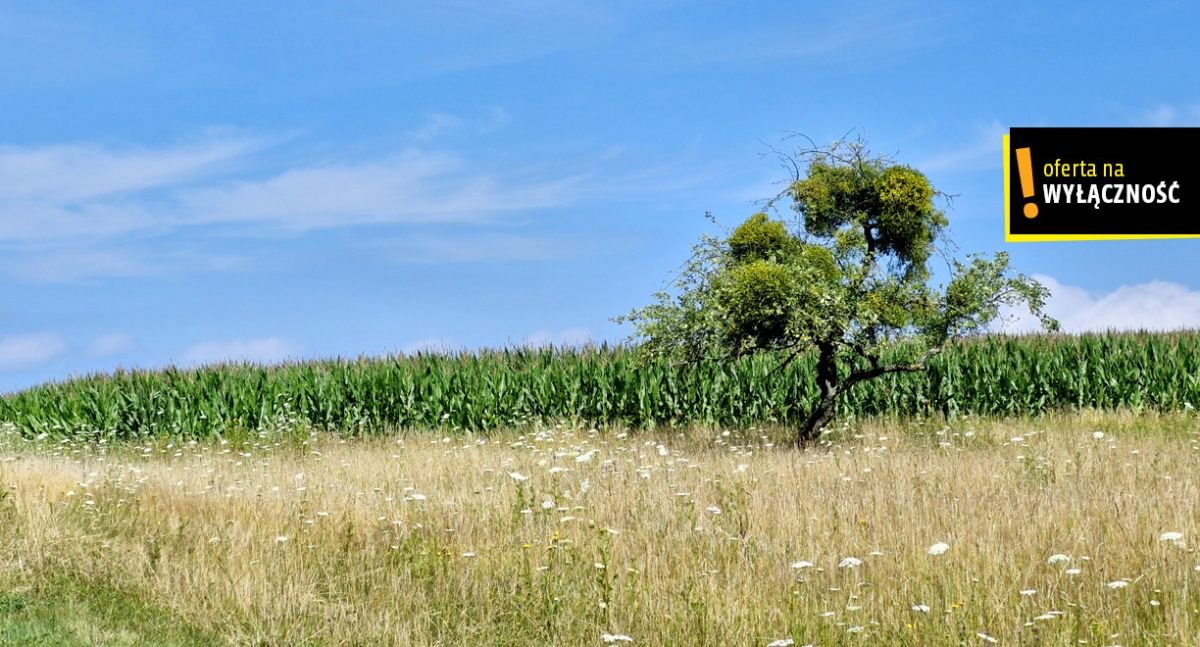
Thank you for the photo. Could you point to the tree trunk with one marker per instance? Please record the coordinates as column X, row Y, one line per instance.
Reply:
column 827, row 384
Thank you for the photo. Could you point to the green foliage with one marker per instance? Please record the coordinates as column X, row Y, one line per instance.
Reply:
column 760, row 238
column 975, row 294
column 989, row 376
column 67, row 611
column 853, row 283
column 853, row 280
column 845, row 189
column 757, row 299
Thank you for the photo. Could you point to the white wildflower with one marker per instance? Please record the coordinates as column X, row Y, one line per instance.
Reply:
column 615, row 638
column 1171, row 536
column 1098, row 435
column 517, row 476
column 806, row 564
column 712, row 509
column 850, row 562
column 986, row 638
column 939, row 548
column 1057, row 558
column 1118, row 584
column 921, row 608
column 1026, row 593
column 1073, row 571
column 782, row 642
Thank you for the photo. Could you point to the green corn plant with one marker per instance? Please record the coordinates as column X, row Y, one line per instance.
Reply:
column 492, row 389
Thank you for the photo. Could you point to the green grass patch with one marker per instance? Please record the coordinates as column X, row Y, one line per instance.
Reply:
column 63, row 611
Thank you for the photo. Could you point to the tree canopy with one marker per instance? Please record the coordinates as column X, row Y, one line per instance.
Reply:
column 847, row 277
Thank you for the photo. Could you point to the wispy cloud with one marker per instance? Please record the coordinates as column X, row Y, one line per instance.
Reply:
column 84, row 210
column 265, row 350
column 80, row 192
column 412, row 187
column 1156, row 305
column 67, row 174
column 88, row 192
column 26, row 351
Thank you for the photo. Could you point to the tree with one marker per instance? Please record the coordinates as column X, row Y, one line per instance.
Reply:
column 848, row 281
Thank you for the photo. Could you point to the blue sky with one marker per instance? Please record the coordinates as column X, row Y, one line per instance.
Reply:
column 190, row 182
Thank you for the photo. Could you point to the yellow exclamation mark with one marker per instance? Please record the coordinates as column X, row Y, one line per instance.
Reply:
column 1025, row 170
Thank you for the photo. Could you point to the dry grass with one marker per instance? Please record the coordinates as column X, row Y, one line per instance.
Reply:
column 571, row 536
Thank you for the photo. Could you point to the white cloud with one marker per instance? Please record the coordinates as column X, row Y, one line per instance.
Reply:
column 572, row 337
column 84, row 191
column 87, row 193
column 109, row 345
column 264, row 350
column 86, row 210
column 24, row 351
column 1156, row 305
column 67, row 174
column 413, row 187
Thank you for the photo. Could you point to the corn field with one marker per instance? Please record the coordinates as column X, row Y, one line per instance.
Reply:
column 990, row 376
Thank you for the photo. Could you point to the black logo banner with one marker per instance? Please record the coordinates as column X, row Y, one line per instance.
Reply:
column 1101, row 183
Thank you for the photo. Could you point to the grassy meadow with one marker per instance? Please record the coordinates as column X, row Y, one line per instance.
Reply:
column 1066, row 529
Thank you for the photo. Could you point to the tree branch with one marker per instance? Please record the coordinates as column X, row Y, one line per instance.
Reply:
column 790, row 358
column 877, row 370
